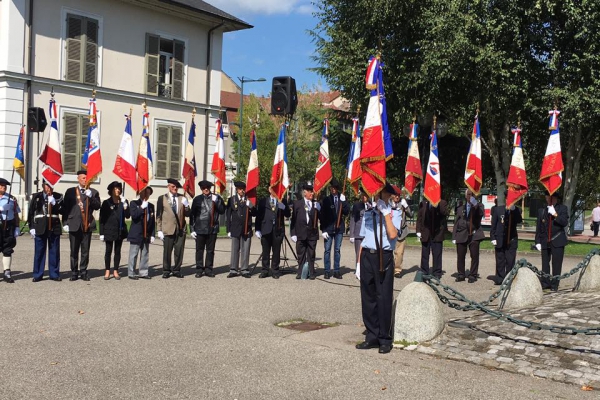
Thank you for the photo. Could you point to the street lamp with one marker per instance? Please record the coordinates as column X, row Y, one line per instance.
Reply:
column 242, row 80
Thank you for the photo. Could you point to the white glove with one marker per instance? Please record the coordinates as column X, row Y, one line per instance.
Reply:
column 1, row 208
column 185, row 201
column 144, row 205
column 125, row 205
column 325, row 235
column 294, row 238
column 419, row 235
column 538, row 247
column 383, row 207
column 351, row 240
column 280, row 205
column 151, row 239
column 342, row 197
column 247, row 203
column 17, row 231
column 51, row 200
column 229, row 235
column 357, row 273
column 32, row 233
column 66, row 228
column 318, row 206
column 102, row 238
column 512, row 208
column 403, row 203
column 194, row 235
column 160, row 235
column 454, row 242
column 551, row 210
column 213, row 197
column 494, row 242
column 258, row 234
column 88, row 192
column 473, row 200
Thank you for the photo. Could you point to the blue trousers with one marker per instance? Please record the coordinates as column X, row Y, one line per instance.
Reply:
column 50, row 241
column 337, row 238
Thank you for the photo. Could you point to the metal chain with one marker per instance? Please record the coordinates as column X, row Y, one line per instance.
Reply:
column 572, row 272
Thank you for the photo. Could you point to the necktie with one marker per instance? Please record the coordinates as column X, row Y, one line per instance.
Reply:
column 335, row 202
column 174, row 205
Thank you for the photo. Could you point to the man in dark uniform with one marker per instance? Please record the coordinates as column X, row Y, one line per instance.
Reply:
column 430, row 231
column 44, row 226
column 141, row 234
column 270, row 229
column 9, row 212
column 171, row 210
column 467, row 234
column 377, row 271
column 204, row 221
column 239, row 227
column 80, row 202
column 505, row 239
column 333, row 210
column 551, row 237
column 304, row 230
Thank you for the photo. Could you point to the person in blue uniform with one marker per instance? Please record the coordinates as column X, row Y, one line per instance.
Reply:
column 9, row 212
column 334, row 209
column 380, row 228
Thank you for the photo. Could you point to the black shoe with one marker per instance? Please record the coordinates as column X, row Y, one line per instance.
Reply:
column 327, row 276
column 36, row 280
column 199, row 273
column 232, row 275
column 177, row 275
column 367, row 345
column 210, row 274
column 8, row 279
column 246, row 275
column 312, row 277
column 459, row 278
column 275, row 275
column 85, row 278
column 298, row 276
column 56, row 279
column 497, row 282
column 398, row 275
column 73, row 278
column 263, row 274
column 337, row 275
column 472, row 279
column 145, row 277
column 385, row 348
column 166, row 275
column 134, row 277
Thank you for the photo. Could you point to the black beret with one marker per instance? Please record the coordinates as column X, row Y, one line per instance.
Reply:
column 335, row 184
column 82, row 172
column 239, row 185
column 307, row 186
column 174, row 182
column 205, row 184
column 4, row 182
column 389, row 188
column 113, row 185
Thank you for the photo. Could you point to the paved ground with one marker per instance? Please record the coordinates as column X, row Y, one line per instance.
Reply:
column 216, row 338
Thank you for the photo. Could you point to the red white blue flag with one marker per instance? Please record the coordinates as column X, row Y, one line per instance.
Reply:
column 189, row 164
column 413, row 173
column 280, row 180
column 218, row 161
column 125, row 164
column 144, row 159
column 353, row 166
column 517, row 177
column 252, row 176
column 552, row 166
column 473, row 170
column 92, row 158
column 324, row 174
column 433, row 189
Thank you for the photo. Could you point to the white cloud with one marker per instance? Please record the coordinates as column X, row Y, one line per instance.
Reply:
column 237, row 7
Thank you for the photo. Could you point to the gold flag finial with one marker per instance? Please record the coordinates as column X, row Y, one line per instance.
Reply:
column 193, row 113
column 434, row 122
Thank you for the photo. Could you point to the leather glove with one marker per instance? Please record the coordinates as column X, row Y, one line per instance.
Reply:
column 102, row 238
column 473, row 201
column 383, row 207
column 144, row 205
column 403, row 203
column 351, row 240
column 258, row 234
column 17, row 231
column 52, row 200
column 194, row 235
column 357, row 273
column 294, row 238
column 538, row 247
column 229, row 235
column 213, row 197
column 454, row 242
column 88, row 192
column 66, row 228
column 32, row 233
column 161, row 235
column 551, row 210
column 318, row 206
column 325, row 235
column 494, row 242
column 185, row 202
column 280, row 205
column 151, row 239
column 342, row 197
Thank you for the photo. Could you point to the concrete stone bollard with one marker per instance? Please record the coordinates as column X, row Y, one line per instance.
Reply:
column 525, row 291
column 589, row 278
column 419, row 314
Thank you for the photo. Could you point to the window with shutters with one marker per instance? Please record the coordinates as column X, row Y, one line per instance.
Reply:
column 75, row 129
column 169, row 139
column 81, row 49
column 165, row 67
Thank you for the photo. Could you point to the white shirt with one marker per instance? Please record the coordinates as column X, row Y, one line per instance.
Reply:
column 596, row 214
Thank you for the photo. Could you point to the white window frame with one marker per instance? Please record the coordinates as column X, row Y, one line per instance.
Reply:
column 155, row 122
column 63, row 41
column 170, row 36
column 62, row 110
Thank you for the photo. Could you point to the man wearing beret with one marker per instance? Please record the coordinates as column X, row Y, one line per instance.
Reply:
column 171, row 210
column 431, row 226
column 467, row 234
column 239, row 227
column 551, row 237
column 270, row 229
column 44, row 227
column 505, row 238
column 304, row 231
column 9, row 211
column 141, row 233
column 78, row 221
column 204, row 220
column 333, row 210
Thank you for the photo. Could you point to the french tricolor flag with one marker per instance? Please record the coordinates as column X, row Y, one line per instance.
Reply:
column 324, row 174
column 189, row 172
column 125, row 164
column 144, row 158
column 517, row 177
column 552, row 166
column 252, row 176
column 52, row 155
column 473, row 170
column 280, row 180
column 433, row 189
column 353, row 165
column 413, row 173
column 218, row 161
column 92, row 158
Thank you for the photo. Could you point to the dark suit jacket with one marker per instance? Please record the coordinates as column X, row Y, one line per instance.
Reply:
column 136, row 230
column 112, row 220
column 204, row 217
column 549, row 226
column 237, row 218
column 268, row 220
column 329, row 215
column 300, row 227
column 501, row 219
column 431, row 221
column 467, row 225
column 72, row 214
column 356, row 217
column 39, row 217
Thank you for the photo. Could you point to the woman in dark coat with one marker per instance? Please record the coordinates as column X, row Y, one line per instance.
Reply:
column 113, row 229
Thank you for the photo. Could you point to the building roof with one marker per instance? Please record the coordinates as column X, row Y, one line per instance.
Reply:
column 204, row 9
column 230, row 100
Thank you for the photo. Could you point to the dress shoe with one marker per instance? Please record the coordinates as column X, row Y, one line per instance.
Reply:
column 199, row 274
column 367, row 345
column 337, row 275
column 385, row 348
column 398, row 275
column 8, row 279
column 246, row 275
column 298, row 276
column 232, row 275
column 312, row 277
column 210, row 274
column 134, row 277
column 73, row 278
column 166, row 275
column 145, row 277
column 263, row 274
column 327, row 276
column 472, row 279
column 276, row 276
column 36, row 279
column 177, row 275
column 56, row 279
column 85, row 277
column 459, row 278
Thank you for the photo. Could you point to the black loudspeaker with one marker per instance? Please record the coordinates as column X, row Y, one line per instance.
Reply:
column 283, row 96
column 36, row 119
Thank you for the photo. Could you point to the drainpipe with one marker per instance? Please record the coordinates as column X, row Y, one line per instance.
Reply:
column 29, row 135
column 208, row 87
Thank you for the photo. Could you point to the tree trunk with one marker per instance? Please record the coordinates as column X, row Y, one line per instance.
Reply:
column 499, row 148
column 575, row 149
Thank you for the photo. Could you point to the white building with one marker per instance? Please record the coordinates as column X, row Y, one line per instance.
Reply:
column 166, row 53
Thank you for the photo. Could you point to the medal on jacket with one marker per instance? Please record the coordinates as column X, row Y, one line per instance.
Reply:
column 235, row 205
column 502, row 219
column 273, row 206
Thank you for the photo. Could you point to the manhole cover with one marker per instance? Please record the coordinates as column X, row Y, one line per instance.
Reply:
column 304, row 326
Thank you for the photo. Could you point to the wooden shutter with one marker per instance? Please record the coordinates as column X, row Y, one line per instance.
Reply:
column 74, row 47
column 71, row 143
column 152, row 63
column 90, row 73
column 178, row 68
column 175, row 161
column 162, row 152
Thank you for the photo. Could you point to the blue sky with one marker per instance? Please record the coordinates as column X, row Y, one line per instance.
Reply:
column 278, row 45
